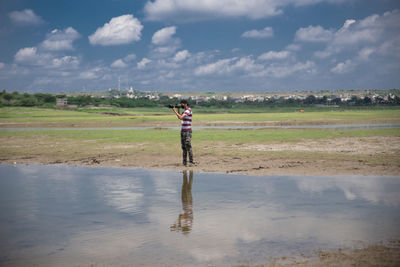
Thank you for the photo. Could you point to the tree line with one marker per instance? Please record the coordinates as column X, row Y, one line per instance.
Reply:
column 49, row 100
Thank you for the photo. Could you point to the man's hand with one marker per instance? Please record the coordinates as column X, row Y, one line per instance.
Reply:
column 180, row 116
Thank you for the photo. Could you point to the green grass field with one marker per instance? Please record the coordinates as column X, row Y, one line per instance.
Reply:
column 131, row 117
column 171, row 136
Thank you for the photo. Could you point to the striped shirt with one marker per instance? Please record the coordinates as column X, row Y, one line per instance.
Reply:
column 187, row 120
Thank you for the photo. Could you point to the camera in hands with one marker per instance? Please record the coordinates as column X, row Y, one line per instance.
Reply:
column 174, row 106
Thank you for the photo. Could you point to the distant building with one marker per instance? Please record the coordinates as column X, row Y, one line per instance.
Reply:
column 179, row 96
column 61, row 102
column 131, row 93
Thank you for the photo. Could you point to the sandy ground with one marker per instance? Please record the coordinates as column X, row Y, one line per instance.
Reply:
column 378, row 255
column 348, row 156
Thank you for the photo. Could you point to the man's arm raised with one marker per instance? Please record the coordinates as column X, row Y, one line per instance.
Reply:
column 180, row 116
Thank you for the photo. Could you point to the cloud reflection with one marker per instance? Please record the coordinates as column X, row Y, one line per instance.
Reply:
column 123, row 193
column 373, row 189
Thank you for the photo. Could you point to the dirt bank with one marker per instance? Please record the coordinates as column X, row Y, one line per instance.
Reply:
column 349, row 155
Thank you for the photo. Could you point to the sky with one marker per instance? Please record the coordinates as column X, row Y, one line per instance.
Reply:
column 199, row 45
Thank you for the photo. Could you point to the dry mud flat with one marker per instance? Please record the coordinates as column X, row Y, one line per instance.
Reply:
column 378, row 155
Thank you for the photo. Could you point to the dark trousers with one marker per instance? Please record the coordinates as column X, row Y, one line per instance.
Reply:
column 186, row 142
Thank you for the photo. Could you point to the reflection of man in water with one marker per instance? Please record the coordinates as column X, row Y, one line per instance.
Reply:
column 185, row 219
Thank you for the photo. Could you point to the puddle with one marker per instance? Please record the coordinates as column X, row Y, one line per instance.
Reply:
column 227, row 127
column 63, row 215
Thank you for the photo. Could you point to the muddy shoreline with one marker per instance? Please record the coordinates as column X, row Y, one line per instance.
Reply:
column 373, row 255
column 343, row 156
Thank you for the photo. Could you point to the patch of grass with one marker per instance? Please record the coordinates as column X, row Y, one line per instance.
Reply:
column 131, row 117
column 202, row 136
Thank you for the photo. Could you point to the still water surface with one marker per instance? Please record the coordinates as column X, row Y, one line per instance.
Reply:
column 63, row 215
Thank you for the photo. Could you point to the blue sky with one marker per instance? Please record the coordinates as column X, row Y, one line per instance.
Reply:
column 199, row 45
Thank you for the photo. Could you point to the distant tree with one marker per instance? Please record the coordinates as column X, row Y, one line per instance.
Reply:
column 29, row 101
column 354, row 100
column 164, row 97
column 311, row 99
column 396, row 100
column 290, row 101
column 7, row 96
column 81, row 100
column 367, row 100
column 336, row 101
column 45, row 98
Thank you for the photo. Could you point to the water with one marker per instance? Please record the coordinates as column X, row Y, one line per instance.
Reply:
column 63, row 215
column 225, row 127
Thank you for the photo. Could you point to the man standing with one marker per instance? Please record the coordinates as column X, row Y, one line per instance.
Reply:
column 186, row 131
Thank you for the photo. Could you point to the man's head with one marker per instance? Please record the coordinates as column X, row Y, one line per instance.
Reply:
column 184, row 103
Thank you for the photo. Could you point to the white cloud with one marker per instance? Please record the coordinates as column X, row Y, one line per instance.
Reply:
column 390, row 47
column 343, row 67
column 142, row 64
column 25, row 17
column 358, row 37
column 66, row 62
column 352, row 33
column 88, row 75
column 165, row 65
column 60, row 39
column 124, row 29
column 293, row 47
column 166, row 50
column 311, row 2
column 347, row 24
column 119, row 63
column 2, row 65
column 284, row 70
column 271, row 55
column 26, row 55
column 163, row 51
column 181, row 55
column 264, row 33
column 227, row 66
column 163, row 36
column 91, row 74
column 323, row 54
column 29, row 56
column 203, row 9
column 365, row 53
column 191, row 9
column 313, row 34
column 123, row 62
column 246, row 64
column 170, row 75
column 130, row 57
column 220, row 66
